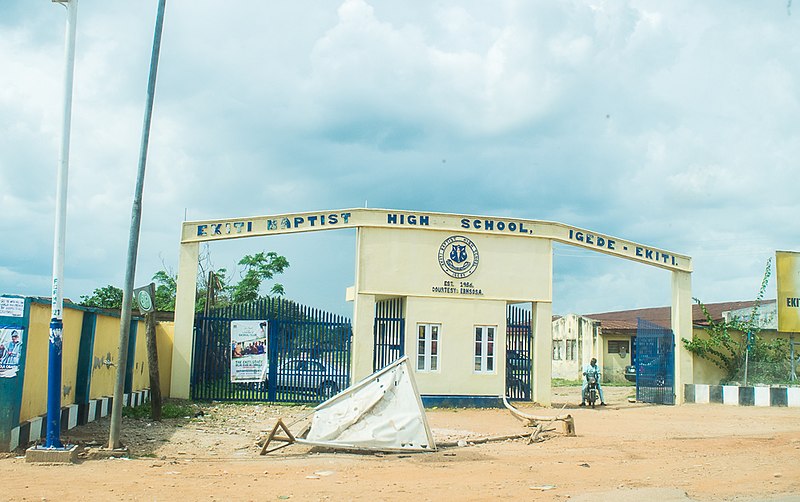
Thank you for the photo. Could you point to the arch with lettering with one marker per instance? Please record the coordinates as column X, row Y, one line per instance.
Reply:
column 386, row 222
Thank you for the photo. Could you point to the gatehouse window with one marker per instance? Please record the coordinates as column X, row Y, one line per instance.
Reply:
column 484, row 349
column 428, row 347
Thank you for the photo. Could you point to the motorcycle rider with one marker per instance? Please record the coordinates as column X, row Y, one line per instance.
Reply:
column 593, row 370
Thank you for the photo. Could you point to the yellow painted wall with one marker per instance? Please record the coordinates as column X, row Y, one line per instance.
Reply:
column 106, row 348
column 141, row 371
column 405, row 263
column 456, row 375
column 73, row 321
column 613, row 364
column 34, row 388
column 704, row 371
column 165, row 334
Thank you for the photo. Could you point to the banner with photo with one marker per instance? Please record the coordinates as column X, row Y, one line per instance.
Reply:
column 787, row 266
column 249, row 352
column 10, row 351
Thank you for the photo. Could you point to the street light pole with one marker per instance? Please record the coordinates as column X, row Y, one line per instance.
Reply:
column 133, row 240
column 53, row 437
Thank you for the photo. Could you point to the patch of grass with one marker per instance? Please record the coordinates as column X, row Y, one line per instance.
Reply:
column 563, row 382
column 170, row 408
column 619, row 383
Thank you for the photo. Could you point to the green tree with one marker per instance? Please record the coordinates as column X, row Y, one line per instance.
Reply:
column 166, row 289
column 108, row 297
column 213, row 284
column 726, row 343
column 258, row 268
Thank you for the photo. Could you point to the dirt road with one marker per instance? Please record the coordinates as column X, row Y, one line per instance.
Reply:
column 625, row 451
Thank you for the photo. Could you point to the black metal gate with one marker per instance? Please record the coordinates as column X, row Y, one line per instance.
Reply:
column 518, row 354
column 308, row 353
column 389, row 333
column 655, row 363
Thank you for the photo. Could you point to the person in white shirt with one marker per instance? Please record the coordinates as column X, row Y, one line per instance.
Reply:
column 591, row 369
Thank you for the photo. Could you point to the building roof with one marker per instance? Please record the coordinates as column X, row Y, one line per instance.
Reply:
column 627, row 319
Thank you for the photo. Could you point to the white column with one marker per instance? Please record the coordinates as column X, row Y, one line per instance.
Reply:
column 363, row 321
column 184, row 320
column 682, row 327
column 363, row 344
column 542, row 329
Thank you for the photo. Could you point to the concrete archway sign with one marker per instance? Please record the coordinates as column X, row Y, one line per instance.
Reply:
column 455, row 257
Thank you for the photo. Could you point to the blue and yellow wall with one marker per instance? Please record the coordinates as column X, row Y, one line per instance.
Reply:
column 89, row 367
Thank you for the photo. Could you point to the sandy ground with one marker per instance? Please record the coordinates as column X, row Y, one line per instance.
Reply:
column 625, row 451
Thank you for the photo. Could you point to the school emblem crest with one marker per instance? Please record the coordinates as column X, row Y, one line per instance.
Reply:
column 458, row 256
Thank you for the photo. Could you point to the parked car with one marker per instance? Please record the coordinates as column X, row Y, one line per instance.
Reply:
column 652, row 373
column 630, row 373
column 311, row 375
column 515, row 360
column 518, row 377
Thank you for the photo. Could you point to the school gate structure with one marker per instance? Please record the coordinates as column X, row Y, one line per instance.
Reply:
column 437, row 287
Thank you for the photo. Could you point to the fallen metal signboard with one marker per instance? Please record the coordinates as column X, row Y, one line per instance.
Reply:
column 382, row 412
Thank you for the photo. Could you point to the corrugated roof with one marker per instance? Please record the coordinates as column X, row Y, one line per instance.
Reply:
column 627, row 319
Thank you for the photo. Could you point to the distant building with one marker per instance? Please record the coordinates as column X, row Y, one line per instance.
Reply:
column 613, row 340
column 575, row 341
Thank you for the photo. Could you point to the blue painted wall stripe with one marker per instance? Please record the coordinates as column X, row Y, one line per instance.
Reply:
column 83, row 378
column 448, row 401
column 131, row 358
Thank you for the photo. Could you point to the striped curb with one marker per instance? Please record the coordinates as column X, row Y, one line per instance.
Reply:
column 734, row 395
column 35, row 429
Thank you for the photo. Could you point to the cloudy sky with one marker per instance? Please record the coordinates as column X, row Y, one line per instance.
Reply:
column 674, row 124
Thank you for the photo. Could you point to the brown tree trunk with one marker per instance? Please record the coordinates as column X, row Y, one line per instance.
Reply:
column 152, row 362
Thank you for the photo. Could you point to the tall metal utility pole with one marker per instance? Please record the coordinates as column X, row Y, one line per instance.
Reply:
column 133, row 240
column 53, row 436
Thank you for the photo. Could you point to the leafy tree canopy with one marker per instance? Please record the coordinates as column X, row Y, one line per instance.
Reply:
column 213, row 284
column 108, row 297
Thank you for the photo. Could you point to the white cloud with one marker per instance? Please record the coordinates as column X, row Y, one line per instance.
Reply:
column 671, row 124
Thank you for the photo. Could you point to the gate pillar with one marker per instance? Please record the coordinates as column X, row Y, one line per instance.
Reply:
column 184, row 320
column 682, row 328
column 363, row 321
column 542, row 328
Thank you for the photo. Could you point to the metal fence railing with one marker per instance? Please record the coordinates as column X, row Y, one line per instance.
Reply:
column 307, row 353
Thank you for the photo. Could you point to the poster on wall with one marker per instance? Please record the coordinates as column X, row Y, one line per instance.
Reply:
column 249, row 352
column 12, row 307
column 787, row 266
column 10, row 351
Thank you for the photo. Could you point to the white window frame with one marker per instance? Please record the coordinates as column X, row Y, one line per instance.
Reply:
column 485, row 360
column 429, row 352
column 558, row 350
column 571, row 349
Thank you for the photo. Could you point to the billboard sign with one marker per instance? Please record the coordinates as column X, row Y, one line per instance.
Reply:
column 787, row 265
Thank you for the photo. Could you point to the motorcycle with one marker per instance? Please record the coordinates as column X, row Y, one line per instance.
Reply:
column 591, row 390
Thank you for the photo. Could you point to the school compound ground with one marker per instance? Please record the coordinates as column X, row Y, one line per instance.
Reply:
column 625, row 451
